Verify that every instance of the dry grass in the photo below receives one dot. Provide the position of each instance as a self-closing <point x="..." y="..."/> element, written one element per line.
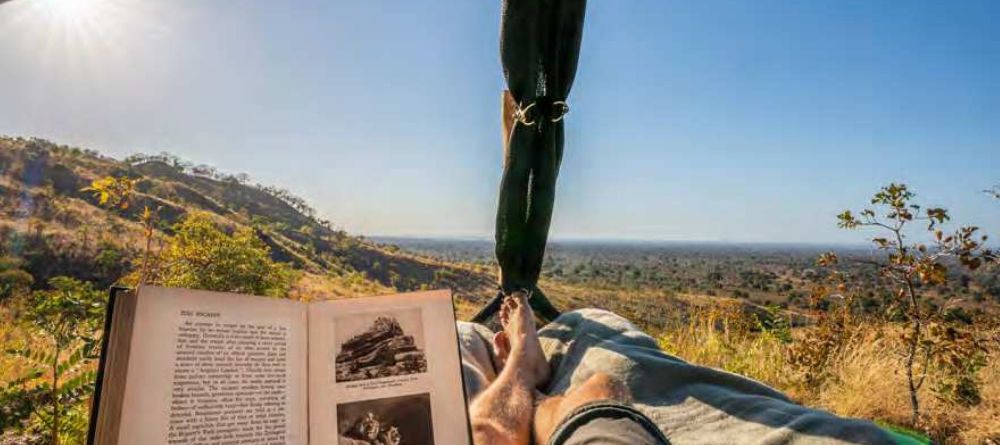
<point x="313" y="287"/>
<point x="10" y="336"/>
<point x="720" y="336"/>
<point x="867" y="381"/>
<point x="983" y="420"/>
<point x="865" y="378"/>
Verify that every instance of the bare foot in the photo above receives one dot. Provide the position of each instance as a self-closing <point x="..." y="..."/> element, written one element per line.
<point x="501" y="343"/>
<point x="518" y="344"/>
<point x="501" y="347"/>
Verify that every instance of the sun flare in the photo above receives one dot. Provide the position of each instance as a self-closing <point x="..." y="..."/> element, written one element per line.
<point x="81" y="31"/>
<point x="73" y="11"/>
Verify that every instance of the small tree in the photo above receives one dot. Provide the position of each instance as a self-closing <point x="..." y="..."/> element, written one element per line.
<point x="59" y="378"/>
<point x="910" y="265"/>
<point x="118" y="192"/>
<point x="202" y="256"/>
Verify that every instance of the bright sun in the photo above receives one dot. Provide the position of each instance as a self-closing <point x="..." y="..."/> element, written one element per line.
<point x="83" y="33"/>
<point x="73" y="11"/>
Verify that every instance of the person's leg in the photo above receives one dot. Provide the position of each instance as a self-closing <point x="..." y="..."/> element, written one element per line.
<point x="480" y="365"/>
<point x="552" y="410"/>
<point x="502" y="414"/>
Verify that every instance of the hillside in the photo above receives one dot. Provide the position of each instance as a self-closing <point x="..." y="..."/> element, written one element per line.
<point x="56" y="228"/>
<point x="768" y="312"/>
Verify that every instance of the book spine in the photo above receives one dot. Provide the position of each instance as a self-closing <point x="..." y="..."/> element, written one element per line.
<point x="99" y="384"/>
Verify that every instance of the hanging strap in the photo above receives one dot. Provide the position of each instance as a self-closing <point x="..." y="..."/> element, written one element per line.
<point x="539" y="50"/>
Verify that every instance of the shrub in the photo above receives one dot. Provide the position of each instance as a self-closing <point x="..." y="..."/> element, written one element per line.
<point x="201" y="256"/>
<point x="48" y="398"/>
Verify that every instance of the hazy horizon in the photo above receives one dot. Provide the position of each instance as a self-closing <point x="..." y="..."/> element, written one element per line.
<point x="629" y="241"/>
<point x="720" y="122"/>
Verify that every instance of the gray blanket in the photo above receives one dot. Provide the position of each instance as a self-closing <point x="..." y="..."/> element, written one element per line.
<point x="691" y="404"/>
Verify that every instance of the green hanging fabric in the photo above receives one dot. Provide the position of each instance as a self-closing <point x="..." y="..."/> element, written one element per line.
<point x="539" y="49"/>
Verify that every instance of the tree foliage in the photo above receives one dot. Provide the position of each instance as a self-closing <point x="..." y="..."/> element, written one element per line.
<point x="112" y="191"/>
<point x="47" y="399"/>
<point x="201" y="256"/>
<point x="69" y="309"/>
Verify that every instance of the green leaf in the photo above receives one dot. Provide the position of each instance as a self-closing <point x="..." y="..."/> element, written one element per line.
<point x="75" y="358"/>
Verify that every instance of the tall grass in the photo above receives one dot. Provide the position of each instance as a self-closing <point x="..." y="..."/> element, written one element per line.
<point x="721" y="336"/>
<point x="864" y="375"/>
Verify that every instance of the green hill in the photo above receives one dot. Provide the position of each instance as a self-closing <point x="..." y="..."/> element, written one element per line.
<point x="56" y="228"/>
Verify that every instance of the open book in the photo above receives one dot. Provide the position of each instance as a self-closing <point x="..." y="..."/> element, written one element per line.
<point x="193" y="367"/>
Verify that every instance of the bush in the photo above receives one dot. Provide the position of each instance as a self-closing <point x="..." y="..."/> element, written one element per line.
<point x="47" y="400"/>
<point x="12" y="278"/>
<point x="201" y="256"/>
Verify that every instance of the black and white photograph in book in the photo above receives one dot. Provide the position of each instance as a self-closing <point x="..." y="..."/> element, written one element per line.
<point x="404" y="420"/>
<point x="379" y="344"/>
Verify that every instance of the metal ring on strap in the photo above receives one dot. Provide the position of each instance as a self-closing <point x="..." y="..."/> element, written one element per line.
<point x="521" y="114"/>
<point x="558" y="109"/>
<point x="563" y="108"/>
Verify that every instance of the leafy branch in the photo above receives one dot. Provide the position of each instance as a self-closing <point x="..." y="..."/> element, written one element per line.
<point x="118" y="192"/>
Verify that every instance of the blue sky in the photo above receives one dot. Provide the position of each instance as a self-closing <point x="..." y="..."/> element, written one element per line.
<point x="711" y="120"/>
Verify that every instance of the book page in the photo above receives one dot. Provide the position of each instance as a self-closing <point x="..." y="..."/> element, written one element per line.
<point x="214" y="368"/>
<point x="386" y="370"/>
